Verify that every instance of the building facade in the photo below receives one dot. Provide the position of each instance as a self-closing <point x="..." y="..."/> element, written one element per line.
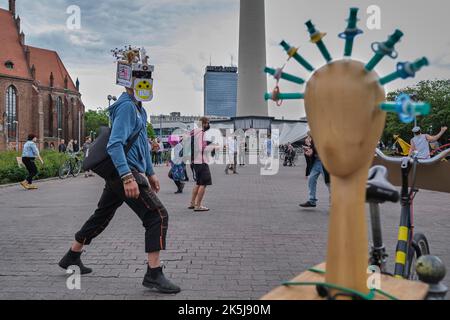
<point x="37" y="94"/>
<point x="220" y="85"/>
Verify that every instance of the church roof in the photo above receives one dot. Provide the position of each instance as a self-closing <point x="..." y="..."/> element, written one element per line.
<point x="11" y="48"/>
<point x="47" y="62"/>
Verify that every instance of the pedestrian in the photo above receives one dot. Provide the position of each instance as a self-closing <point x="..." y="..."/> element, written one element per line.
<point x="317" y="169"/>
<point x="155" y="152"/>
<point x="289" y="156"/>
<point x="160" y="152"/>
<point x="232" y="155"/>
<point x="62" y="146"/>
<point x="268" y="152"/>
<point x="242" y="152"/>
<point x="177" y="165"/>
<point x="85" y="149"/>
<point x="420" y="142"/>
<point x="29" y="154"/>
<point x="76" y="146"/>
<point x="135" y="183"/>
<point x="52" y="146"/>
<point x="70" y="147"/>
<point x="200" y="167"/>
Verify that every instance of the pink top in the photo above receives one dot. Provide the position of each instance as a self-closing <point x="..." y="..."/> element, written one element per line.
<point x="200" y="145"/>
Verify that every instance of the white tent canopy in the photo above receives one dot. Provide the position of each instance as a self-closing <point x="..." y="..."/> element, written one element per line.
<point x="291" y="132"/>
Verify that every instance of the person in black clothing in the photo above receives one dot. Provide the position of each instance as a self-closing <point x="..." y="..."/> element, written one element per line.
<point x="76" y="146"/>
<point x="62" y="146"/>
<point x="314" y="169"/>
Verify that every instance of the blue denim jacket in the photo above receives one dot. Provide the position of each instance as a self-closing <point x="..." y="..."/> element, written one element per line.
<point x="30" y="150"/>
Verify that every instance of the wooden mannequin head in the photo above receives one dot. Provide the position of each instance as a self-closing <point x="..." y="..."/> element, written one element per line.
<point x="342" y="101"/>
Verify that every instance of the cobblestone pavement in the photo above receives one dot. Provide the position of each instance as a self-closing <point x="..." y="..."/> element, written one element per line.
<point x="255" y="237"/>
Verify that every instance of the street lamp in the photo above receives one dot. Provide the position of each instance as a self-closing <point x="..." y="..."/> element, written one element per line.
<point x="16" y="123"/>
<point x="110" y="98"/>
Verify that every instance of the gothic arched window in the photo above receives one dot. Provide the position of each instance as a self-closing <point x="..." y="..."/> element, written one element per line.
<point x="11" y="111"/>
<point x="59" y="112"/>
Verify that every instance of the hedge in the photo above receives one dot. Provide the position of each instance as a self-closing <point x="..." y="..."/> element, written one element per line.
<point x="10" y="172"/>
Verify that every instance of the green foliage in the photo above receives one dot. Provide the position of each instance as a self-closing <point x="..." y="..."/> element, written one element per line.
<point x="10" y="172"/>
<point x="437" y="94"/>
<point x="150" y="131"/>
<point x="96" y="119"/>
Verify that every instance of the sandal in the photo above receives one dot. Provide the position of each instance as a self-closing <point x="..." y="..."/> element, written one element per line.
<point x="191" y="207"/>
<point x="201" y="209"/>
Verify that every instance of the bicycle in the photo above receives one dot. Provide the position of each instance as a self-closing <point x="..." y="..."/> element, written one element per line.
<point x="410" y="245"/>
<point x="72" y="165"/>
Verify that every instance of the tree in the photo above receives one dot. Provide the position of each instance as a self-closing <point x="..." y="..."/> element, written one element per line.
<point x="437" y="94"/>
<point x="150" y="131"/>
<point x="96" y="119"/>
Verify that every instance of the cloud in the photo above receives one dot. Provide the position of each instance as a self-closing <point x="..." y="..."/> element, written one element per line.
<point x="195" y="74"/>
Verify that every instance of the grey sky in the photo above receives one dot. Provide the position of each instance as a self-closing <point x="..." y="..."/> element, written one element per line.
<point x="182" y="35"/>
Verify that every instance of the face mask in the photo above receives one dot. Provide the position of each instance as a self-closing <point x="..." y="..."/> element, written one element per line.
<point x="143" y="89"/>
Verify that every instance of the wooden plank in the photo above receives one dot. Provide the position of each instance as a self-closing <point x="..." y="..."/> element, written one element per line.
<point x="399" y="288"/>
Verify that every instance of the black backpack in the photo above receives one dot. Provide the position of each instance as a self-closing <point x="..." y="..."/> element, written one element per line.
<point x="97" y="158"/>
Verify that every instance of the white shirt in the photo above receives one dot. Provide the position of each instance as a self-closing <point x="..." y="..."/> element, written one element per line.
<point x="422" y="146"/>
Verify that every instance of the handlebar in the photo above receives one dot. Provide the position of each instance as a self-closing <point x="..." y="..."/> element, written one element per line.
<point x="404" y="160"/>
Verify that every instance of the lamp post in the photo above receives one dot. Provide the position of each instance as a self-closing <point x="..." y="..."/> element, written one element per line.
<point x="16" y="123"/>
<point x="79" y="125"/>
<point x="113" y="98"/>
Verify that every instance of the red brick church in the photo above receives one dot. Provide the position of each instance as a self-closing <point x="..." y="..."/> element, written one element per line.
<point x="37" y="94"/>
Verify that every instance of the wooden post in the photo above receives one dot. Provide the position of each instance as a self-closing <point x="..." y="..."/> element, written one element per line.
<point x="342" y="104"/>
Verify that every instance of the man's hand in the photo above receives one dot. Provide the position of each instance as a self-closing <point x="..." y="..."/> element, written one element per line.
<point x="154" y="183"/>
<point x="131" y="190"/>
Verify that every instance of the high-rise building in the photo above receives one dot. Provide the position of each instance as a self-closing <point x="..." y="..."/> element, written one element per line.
<point x="221" y="91"/>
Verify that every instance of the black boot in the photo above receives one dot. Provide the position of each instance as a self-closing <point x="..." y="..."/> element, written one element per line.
<point x="155" y="279"/>
<point x="180" y="187"/>
<point x="74" y="259"/>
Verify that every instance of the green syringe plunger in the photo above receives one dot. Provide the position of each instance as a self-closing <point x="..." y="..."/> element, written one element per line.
<point x="351" y="32"/>
<point x="284" y="96"/>
<point x="405" y="70"/>
<point x="384" y="49"/>
<point x="293" y="53"/>
<point x="279" y="74"/>
<point x="316" y="37"/>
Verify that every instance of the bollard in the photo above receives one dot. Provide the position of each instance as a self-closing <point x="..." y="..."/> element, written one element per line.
<point x="279" y="74"/>
<point x="431" y="270"/>
<point x="384" y="49"/>
<point x="293" y="53"/>
<point x="405" y="70"/>
<point x="351" y="32"/>
<point x="316" y="37"/>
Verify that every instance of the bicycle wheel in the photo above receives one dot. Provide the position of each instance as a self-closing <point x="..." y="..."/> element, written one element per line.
<point x="419" y="247"/>
<point x="64" y="170"/>
<point x="76" y="169"/>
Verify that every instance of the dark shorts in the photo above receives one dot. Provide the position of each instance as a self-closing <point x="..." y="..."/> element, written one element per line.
<point x="202" y="174"/>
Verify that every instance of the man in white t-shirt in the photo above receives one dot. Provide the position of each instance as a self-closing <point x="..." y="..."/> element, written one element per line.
<point x="421" y="142"/>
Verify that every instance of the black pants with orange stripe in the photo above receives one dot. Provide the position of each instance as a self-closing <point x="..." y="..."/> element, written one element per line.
<point x="148" y="208"/>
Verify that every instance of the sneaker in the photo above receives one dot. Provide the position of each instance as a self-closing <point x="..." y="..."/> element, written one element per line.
<point x="155" y="279"/>
<point x="32" y="187"/>
<point x="308" y="204"/>
<point x="73" y="259"/>
<point x="25" y="185"/>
